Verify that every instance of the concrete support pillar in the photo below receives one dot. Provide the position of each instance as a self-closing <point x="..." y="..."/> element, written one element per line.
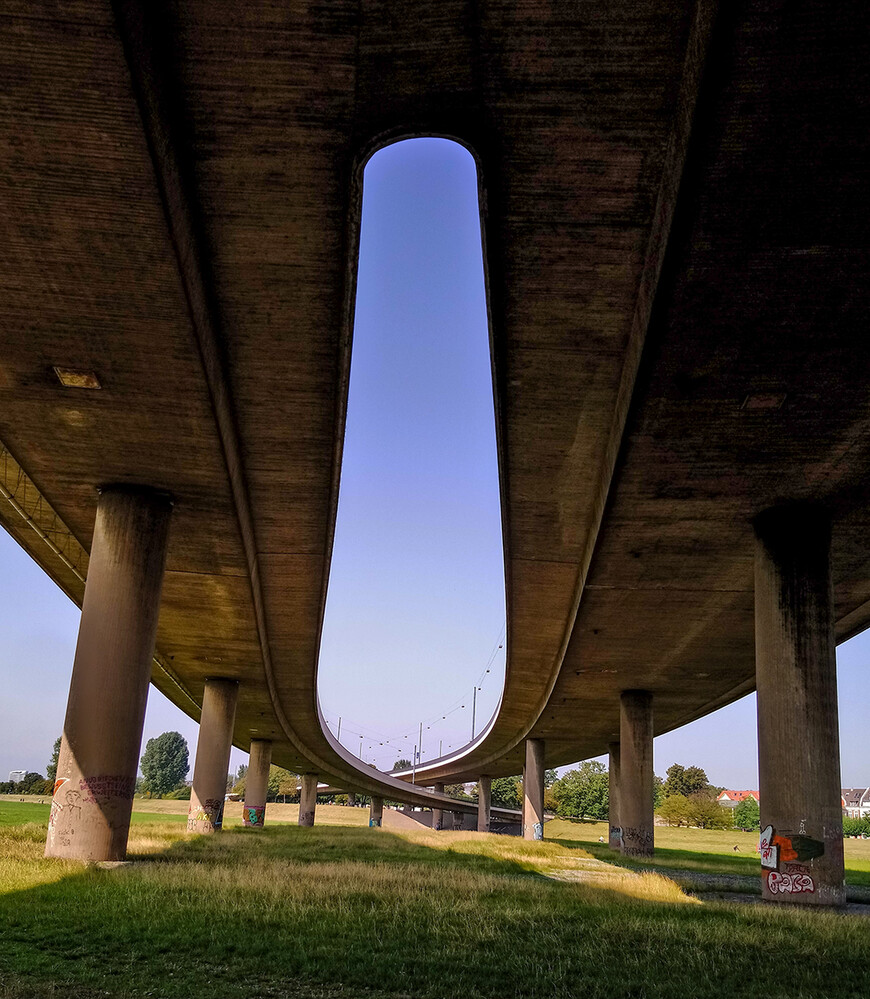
<point x="376" y="815"/>
<point x="208" y="793"/>
<point x="351" y="799"/>
<point x="102" y="731"/>
<point x="456" y="820"/>
<point x="798" y="732"/>
<point x="636" y="773"/>
<point x="308" y="799"/>
<point x="615" y="834"/>
<point x="484" y="803"/>
<point x="533" y="790"/>
<point x="257" y="784"/>
<point x="438" y="813"/>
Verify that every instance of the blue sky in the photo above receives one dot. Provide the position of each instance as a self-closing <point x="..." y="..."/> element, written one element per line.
<point x="415" y="609"/>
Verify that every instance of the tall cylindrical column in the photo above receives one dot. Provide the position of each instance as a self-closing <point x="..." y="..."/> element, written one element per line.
<point x="307" y="799"/>
<point x="798" y="732"/>
<point x="376" y="814"/>
<point x="438" y="813"/>
<point x="257" y="784"/>
<point x="615" y="834"/>
<point x="102" y="731"/>
<point x="484" y="803"/>
<point x="208" y="793"/>
<point x="533" y="790"/>
<point x="636" y="773"/>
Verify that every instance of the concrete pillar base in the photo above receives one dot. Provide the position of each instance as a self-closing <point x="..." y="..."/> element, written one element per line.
<point x="798" y="730"/>
<point x="615" y="832"/>
<point x="438" y="813"/>
<point x="533" y="790"/>
<point x="484" y="803"/>
<point x="376" y="813"/>
<point x="636" y="773"/>
<point x="257" y="784"/>
<point x="308" y="799"/>
<point x="102" y="731"/>
<point x="208" y="794"/>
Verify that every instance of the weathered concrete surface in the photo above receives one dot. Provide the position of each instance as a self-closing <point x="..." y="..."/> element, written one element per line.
<point x="484" y="803"/>
<point x="438" y="813"/>
<point x="533" y="790"/>
<point x="257" y="784"/>
<point x="676" y="233"/>
<point x="209" y="788"/>
<point x="636" y="818"/>
<point x="102" y="730"/>
<point x="376" y="812"/>
<point x="307" y="799"/>
<point x="798" y="734"/>
<point x="614" y="823"/>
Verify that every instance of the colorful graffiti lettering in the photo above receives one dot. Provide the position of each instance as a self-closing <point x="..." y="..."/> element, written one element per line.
<point x="615" y="839"/>
<point x="776" y="849"/>
<point x="211" y="812"/>
<point x="788" y="883"/>
<point x="374" y="823"/>
<point x="253" y="815"/>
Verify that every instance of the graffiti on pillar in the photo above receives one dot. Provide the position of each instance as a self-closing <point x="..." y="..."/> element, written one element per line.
<point x="636" y="839"/>
<point x="776" y="848"/>
<point x="254" y="815"/>
<point x="768" y="850"/>
<point x="793" y="880"/>
<point x="538" y="830"/>
<point x="616" y="842"/>
<point x="98" y="790"/>
<point x="374" y="823"/>
<point x="211" y="811"/>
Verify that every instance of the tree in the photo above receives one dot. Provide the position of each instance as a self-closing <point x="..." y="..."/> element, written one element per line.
<point x="402" y="764"/>
<point x="282" y="782"/>
<point x="51" y="769"/>
<point x="164" y="763"/>
<point x="242" y="772"/>
<point x="658" y="792"/>
<point x="584" y="791"/>
<point x="550" y="778"/>
<point x="747" y="815"/>
<point x="685" y="780"/>
<point x="506" y="792"/>
<point x="457" y="791"/>
<point x="33" y="783"/>
<point x="706" y="813"/>
<point x="675" y="810"/>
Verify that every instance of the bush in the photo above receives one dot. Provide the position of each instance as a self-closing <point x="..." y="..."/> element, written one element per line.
<point x="179" y="794"/>
<point x="856" y="827"/>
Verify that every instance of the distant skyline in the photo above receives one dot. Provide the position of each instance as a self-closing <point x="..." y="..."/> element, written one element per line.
<point x="415" y="607"/>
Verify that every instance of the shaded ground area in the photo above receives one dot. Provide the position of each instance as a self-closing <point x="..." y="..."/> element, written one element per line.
<point x="368" y="913"/>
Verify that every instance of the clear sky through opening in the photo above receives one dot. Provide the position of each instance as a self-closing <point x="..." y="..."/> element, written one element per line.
<point x="415" y="609"/>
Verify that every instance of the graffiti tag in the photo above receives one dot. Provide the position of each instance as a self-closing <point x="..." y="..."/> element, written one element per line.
<point x="787" y="883"/>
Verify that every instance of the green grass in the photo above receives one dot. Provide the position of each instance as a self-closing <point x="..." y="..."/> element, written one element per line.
<point x="710" y="851"/>
<point x="355" y="912"/>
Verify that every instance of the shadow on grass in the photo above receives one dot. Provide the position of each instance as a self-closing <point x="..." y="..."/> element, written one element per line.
<point x="359" y="912"/>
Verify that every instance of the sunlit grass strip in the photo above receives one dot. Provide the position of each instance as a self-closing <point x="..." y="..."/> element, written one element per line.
<point x="290" y="911"/>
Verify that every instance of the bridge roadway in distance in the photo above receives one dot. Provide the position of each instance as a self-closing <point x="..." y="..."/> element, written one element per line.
<point x="675" y="230"/>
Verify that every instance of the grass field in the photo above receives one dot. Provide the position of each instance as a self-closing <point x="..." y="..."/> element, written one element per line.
<point x="357" y="912"/>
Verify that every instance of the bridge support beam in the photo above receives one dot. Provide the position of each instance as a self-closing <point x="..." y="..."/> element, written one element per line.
<point x="636" y="773"/>
<point x="257" y="784"/>
<point x="798" y="732"/>
<point x="376" y="813"/>
<point x="208" y="793"/>
<point x="615" y="832"/>
<point x="438" y="813"/>
<point x="102" y="731"/>
<point x="484" y="803"/>
<point x="307" y="799"/>
<point x="533" y="790"/>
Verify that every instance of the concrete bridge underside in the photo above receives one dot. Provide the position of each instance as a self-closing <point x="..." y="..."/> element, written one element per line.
<point x="676" y="241"/>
